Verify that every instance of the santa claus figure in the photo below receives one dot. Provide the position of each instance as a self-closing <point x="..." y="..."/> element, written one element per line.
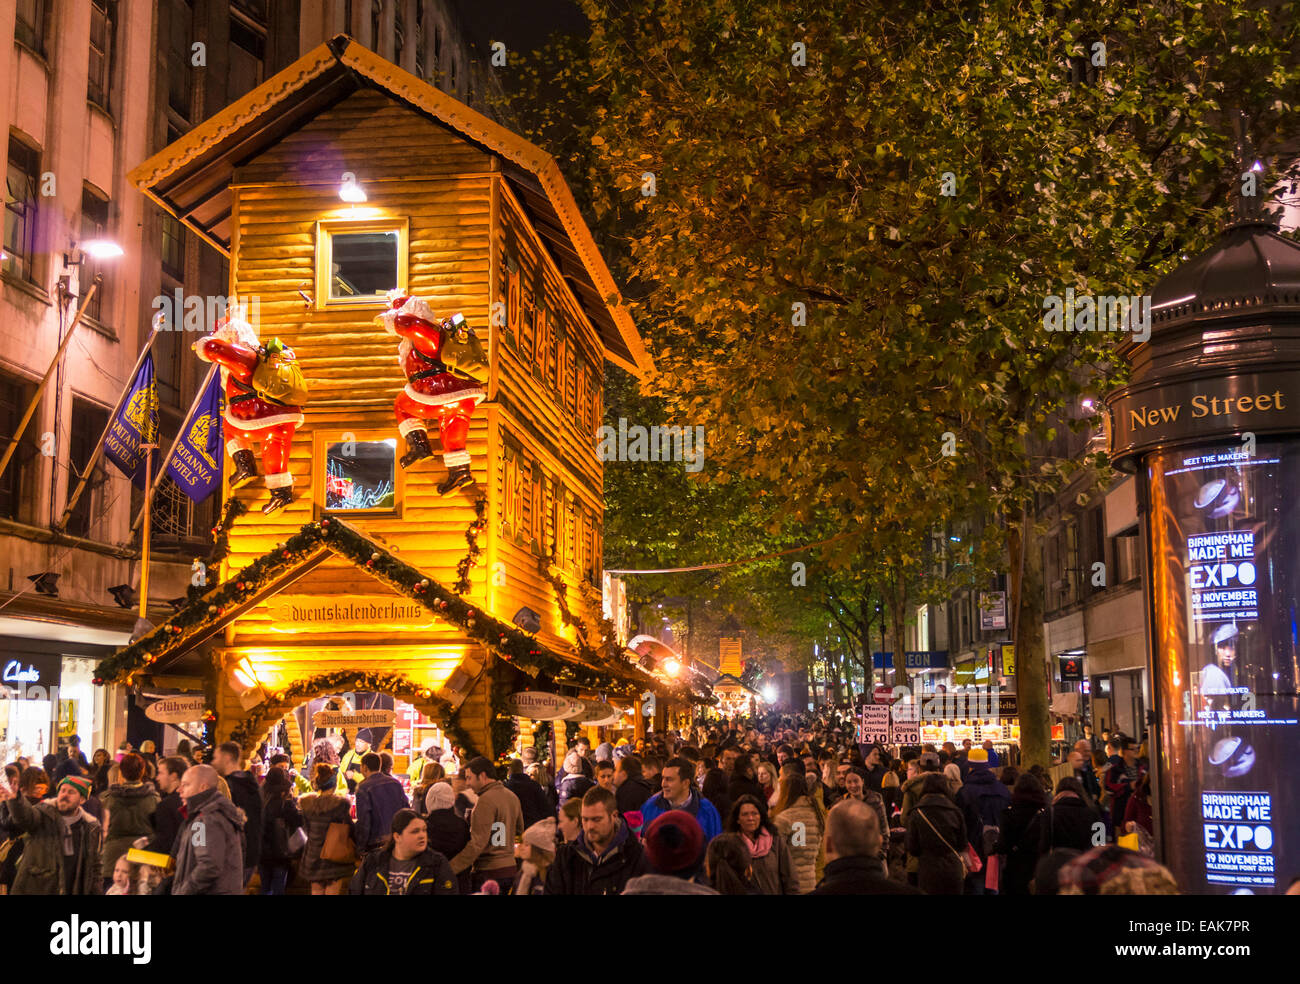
<point x="432" y="390"/>
<point x="251" y="414"/>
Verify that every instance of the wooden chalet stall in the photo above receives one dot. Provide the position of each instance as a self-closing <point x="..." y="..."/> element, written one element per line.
<point x="369" y="580"/>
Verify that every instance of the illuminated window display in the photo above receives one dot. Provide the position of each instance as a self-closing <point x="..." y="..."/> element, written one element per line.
<point x="360" y="474"/>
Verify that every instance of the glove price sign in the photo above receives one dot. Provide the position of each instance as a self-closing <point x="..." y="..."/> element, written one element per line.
<point x="875" y="724"/>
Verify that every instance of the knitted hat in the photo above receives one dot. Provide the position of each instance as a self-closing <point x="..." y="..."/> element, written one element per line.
<point x="1113" y="870"/>
<point x="635" y="820"/>
<point x="977" y="756"/>
<point x="674" y="844"/>
<point x="541" y="835"/>
<point x="80" y="783"/>
<point x="440" y="797"/>
<point x="620" y="743"/>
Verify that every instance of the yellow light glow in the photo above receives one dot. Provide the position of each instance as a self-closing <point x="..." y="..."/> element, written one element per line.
<point x="672" y="667"/>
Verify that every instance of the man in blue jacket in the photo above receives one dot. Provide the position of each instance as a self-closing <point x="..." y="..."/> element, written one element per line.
<point x="679" y="793"/>
<point x="379" y="797"/>
<point x="982" y="799"/>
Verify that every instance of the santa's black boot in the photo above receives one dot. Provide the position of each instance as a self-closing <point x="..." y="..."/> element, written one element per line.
<point x="245" y="469"/>
<point x="280" y="498"/>
<point x="417" y="444"/>
<point x="458" y="477"/>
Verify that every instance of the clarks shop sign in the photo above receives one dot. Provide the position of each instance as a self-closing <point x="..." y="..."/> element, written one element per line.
<point x="1227" y="406"/>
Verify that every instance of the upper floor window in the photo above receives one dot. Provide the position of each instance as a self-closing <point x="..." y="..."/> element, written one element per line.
<point x="94" y="225"/>
<point x="15" y="394"/>
<point x="31" y="23"/>
<point x="247" y="55"/>
<point x="103" y="15"/>
<point x="358" y="263"/>
<point x="20" y="211"/>
<point x="180" y="93"/>
<point x="173" y="246"/>
<point x="88" y="423"/>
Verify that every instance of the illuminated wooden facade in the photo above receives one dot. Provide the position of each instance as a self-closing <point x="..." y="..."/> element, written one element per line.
<point x="484" y="226"/>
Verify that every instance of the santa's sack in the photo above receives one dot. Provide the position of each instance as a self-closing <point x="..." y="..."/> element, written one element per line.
<point x="461" y="351"/>
<point x="278" y="375"/>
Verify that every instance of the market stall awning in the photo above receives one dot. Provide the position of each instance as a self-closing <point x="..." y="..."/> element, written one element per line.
<point x="207" y="615"/>
<point x="192" y="178"/>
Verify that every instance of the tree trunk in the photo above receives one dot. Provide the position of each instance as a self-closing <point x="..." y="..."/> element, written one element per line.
<point x="1026" y="582"/>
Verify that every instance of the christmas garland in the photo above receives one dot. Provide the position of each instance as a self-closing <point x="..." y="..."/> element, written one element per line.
<point x="544" y="565"/>
<point x="249" y="732"/>
<point x="477" y="524"/>
<point x="506" y="641"/>
<point x="231" y="511"/>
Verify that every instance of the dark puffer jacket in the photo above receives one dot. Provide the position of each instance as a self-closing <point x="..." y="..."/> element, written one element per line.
<point x="432" y="875"/>
<point x="319" y="810"/>
<point x="130" y="808"/>
<point x="937" y="845"/>
<point x="577" y="871"/>
<point x="1068" y="822"/>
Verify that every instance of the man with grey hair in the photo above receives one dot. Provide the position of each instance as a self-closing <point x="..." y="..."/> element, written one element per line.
<point x="853" y="865"/>
<point x="210" y="846"/>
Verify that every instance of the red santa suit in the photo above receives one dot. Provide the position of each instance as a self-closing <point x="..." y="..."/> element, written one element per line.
<point x="431" y="390"/>
<point x="251" y="416"/>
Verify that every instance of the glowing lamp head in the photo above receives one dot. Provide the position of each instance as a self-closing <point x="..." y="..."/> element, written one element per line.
<point x="101" y="249"/>
<point x="350" y="191"/>
<point x="243" y="675"/>
<point x="769" y="693"/>
<point x="672" y="667"/>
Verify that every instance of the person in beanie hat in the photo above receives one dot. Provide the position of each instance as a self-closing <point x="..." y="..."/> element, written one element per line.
<point x="63" y="851"/>
<point x="1114" y="870"/>
<point x="674" y="849"/>
<point x="605" y="856"/>
<point x="536" y="852"/>
<point x="350" y="767"/>
<point x="982" y="799"/>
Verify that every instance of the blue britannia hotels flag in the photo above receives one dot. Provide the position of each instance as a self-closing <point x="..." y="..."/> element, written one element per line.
<point x="195" y="465"/>
<point x="136" y="423"/>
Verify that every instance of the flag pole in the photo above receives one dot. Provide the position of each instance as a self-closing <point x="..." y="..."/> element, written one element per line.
<point x="61" y="525"/>
<point x="162" y="471"/>
<point x="58" y="357"/>
<point x="148" y="529"/>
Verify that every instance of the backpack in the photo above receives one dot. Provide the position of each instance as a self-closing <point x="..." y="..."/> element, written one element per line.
<point x="278" y="375"/>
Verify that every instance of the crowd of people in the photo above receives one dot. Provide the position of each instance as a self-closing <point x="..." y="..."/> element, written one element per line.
<point x="782" y="805"/>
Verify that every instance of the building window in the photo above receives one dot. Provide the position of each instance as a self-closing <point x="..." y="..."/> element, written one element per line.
<point x="94" y="225"/>
<point x="358" y="263"/>
<point x="21" y="211"/>
<point x="181" y="28"/>
<point x="247" y="55"/>
<point x="88" y="423"/>
<point x="570" y="368"/>
<point x="557" y="522"/>
<point x="31" y="24"/>
<point x="360" y="475"/>
<point x="537" y="496"/>
<point x="15" y="394"/>
<point x="173" y="247"/>
<point x="554" y="353"/>
<point x="102" y="24"/>
<point x="168" y="349"/>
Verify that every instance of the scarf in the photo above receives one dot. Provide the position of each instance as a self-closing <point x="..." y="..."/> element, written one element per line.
<point x="759" y="848"/>
<point x="527" y="872"/>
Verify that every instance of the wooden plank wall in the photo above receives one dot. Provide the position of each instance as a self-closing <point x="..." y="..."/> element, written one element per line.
<point x="548" y="482"/>
<point x="442" y="185"/>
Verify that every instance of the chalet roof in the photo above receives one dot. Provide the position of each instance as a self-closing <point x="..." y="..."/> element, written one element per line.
<point x="206" y="616"/>
<point x="191" y="177"/>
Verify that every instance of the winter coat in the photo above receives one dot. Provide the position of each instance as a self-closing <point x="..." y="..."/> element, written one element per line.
<point x="247" y="795"/>
<point x="379" y="797"/>
<point x="739" y="787"/>
<point x="166" y="821"/>
<point x="774" y="871"/>
<point x="859" y="876"/>
<point x="532" y="798"/>
<point x="577" y="870"/>
<point x="1069" y="822"/>
<point x="1020" y="850"/>
<point x="129" y="809"/>
<point x="496" y="804"/>
<point x="210" y="848"/>
<point x="982" y="799"/>
<point x="319" y="810"/>
<point x="806" y="856"/>
<point x="432" y="875"/>
<point x="41" y="869"/>
<point x="632" y="795"/>
<point x="448" y="835"/>
<point x="697" y="806"/>
<point x="666" y="885"/>
<point x="938" y="851"/>
<point x="574" y="786"/>
<point x="911" y="794"/>
<point x="280" y="818"/>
